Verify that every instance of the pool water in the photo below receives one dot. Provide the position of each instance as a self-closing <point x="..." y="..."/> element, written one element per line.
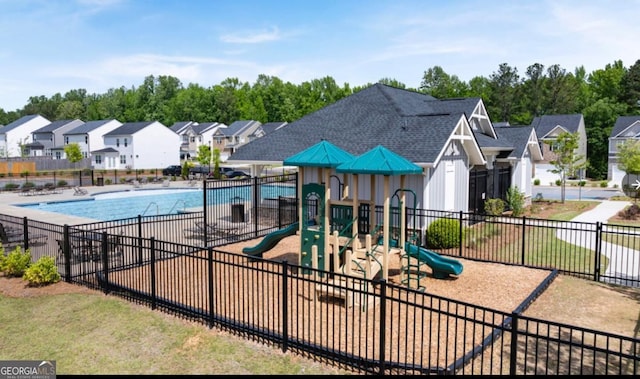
<point x="127" y="204"/>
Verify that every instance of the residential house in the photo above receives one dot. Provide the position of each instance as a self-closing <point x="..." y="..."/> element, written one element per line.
<point x="15" y="135"/>
<point x="194" y="135"/>
<point x="138" y="145"/>
<point x="441" y="143"/>
<point x="464" y="159"/>
<point x="89" y="136"/>
<point x="228" y="140"/>
<point x="49" y="140"/>
<point x="626" y="127"/>
<point x="266" y="128"/>
<point x="548" y="127"/>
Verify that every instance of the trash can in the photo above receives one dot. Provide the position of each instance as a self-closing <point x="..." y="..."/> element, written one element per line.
<point x="237" y="212"/>
<point x="100" y="182"/>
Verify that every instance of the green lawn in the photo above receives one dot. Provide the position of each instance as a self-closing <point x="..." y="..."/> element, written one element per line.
<point x="96" y="334"/>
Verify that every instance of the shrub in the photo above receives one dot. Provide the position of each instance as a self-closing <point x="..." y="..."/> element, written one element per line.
<point x="558" y="182"/>
<point x="107" y="181"/>
<point x="444" y="233"/>
<point x="536" y="182"/>
<point x="515" y="200"/>
<point x="17" y="262"/>
<point x="28" y="185"/>
<point x="604" y="184"/>
<point x="494" y="207"/>
<point x="62" y="183"/>
<point x="42" y="272"/>
<point x="630" y="213"/>
<point x="11" y="186"/>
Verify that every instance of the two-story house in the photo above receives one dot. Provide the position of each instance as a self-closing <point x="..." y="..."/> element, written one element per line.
<point x="16" y="135"/>
<point x="89" y="135"/>
<point x="548" y="127"/>
<point x="194" y="135"/>
<point x="138" y="145"/>
<point x="228" y="139"/>
<point x="626" y="127"/>
<point x="49" y="140"/>
<point x="265" y="129"/>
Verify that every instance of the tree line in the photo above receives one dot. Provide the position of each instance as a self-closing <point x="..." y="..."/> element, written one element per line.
<point x="601" y="96"/>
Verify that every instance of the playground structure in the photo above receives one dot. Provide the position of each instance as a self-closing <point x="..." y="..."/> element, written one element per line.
<point x="340" y="232"/>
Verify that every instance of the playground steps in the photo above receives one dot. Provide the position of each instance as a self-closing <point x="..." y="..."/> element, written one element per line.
<point x="353" y="293"/>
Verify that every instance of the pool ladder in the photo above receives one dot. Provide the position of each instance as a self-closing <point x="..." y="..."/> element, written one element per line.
<point x="184" y="206"/>
<point x="149" y="206"/>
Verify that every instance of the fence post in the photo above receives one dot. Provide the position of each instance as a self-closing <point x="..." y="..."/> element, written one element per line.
<point x="522" y="247"/>
<point x="139" y="240"/>
<point x="204" y="214"/>
<point x="211" y="303"/>
<point x="513" y="354"/>
<point x="285" y="306"/>
<point x="153" y="272"/>
<point x="597" y="258"/>
<point x="383" y="326"/>
<point x="25" y="234"/>
<point x="256" y="201"/>
<point x="461" y="235"/>
<point x="105" y="262"/>
<point x="66" y="250"/>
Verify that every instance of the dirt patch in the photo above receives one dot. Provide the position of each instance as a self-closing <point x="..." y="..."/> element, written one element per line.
<point x="18" y="287"/>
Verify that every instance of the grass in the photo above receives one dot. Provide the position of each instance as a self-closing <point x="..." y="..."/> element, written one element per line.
<point x="94" y="334"/>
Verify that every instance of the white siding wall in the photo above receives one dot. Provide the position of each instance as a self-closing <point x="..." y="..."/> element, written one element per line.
<point x="22" y="134"/>
<point x="437" y="182"/>
<point x="155" y="146"/>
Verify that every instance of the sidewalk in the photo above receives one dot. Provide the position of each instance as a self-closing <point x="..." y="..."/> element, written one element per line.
<point x="623" y="262"/>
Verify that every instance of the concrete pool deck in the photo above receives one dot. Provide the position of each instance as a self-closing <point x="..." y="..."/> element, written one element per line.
<point x="8" y="201"/>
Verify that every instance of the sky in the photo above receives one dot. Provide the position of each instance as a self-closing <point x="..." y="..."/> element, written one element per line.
<point x="54" y="46"/>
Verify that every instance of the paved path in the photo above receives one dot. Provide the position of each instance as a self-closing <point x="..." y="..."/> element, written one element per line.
<point x="624" y="262"/>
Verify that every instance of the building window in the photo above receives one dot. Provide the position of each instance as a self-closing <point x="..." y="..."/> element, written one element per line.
<point x="199" y="138"/>
<point x="117" y="142"/>
<point x="58" y="155"/>
<point x="192" y="139"/>
<point x="125" y="142"/>
<point x="86" y="140"/>
<point x="98" y="159"/>
<point x="66" y="140"/>
<point x="123" y="159"/>
<point x="84" y="154"/>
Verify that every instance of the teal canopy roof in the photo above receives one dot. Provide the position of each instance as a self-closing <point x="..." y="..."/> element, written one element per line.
<point x="379" y="161"/>
<point x="322" y="154"/>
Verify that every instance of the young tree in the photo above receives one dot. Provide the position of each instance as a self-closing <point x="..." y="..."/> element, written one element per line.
<point x="567" y="161"/>
<point x="73" y="153"/>
<point x="204" y="156"/>
<point x="216" y="163"/>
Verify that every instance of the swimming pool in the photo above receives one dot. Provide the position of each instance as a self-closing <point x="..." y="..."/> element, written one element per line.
<point x="126" y="204"/>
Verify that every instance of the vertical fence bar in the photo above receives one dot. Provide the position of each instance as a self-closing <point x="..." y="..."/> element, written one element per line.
<point x="285" y="306"/>
<point x="139" y="240"/>
<point x="153" y="272"/>
<point x="254" y="210"/>
<point x="461" y="235"/>
<point x="513" y="354"/>
<point x="522" y="246"/>
<point x="66" y="250"/>
<point x="211" y="278"/>
<point x="383" y="326"/>
<point x="25" y="228"/>
<point x="597" y="258"/>
<point x="105" y="262"/>
<point x="204" y="211"/>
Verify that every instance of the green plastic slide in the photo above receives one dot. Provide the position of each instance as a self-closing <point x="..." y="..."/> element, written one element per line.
<point x="442" y="266"/>
<point x="270" y="240"/>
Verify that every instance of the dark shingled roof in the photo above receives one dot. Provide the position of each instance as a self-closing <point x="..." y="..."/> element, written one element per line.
<point x="129" y="128"/>
<point x="105" y="150"/>
<point x="516" y="136"/>
<point x="546" y="123"/>
<point x="622" y="123"/>
<point x="180" y="125"/>
<point x="55" y="125"/>
<point x="88" y="126"/>
<point x="395" y="118"/>
<point x="201" y="128"/>
<point x="238" y="127"/>
<point x="17" y="123"/>
<point x="270" y="127"/>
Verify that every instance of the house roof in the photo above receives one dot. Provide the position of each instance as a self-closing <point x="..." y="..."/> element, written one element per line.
<point x="378" y="115"/>
<point x="272" y="126"/>
<point x="129" y="128"/>
<point x="379" y="161"/>
<point x="547" y="123"/>
<point x="322" y="154"/>
<point x="239" y="127"/>
<point x="206" y="126"/>
<point x="55" y="125"/>
<point x="88" y="126"/>
<point x="622" y="123"/>
<point x="519" y="137"/>
<point x="17" y="123"/>
<point x="105" y="150"/>
<point x="180" y="126"/>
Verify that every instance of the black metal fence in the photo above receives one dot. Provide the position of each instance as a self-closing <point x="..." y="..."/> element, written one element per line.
<point x="370" y="325"/>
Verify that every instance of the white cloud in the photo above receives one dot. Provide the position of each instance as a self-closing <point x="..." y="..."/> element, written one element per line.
<point x="252" y="36"/>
